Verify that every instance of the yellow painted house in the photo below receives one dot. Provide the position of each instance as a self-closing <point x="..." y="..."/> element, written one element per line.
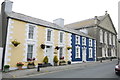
<point x="36" y="38"/>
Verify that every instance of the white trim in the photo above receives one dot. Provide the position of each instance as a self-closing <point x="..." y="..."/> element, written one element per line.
<point x="101" y="36"/>
<point x="74" y="62"/>
<point x="77" y="47"/>
<point x="8" y="42"/>
<point x="31" y="41"/>
<point x="84" y="40"/>
<point x="77" y="39"/>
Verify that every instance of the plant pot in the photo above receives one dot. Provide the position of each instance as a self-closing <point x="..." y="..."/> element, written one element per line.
<point x="20" y="68"/>
<point x="55" y="64"/>
<point x="43" y="46"/>
<point x="30" y="66"/>
<point x="6" y="69"/>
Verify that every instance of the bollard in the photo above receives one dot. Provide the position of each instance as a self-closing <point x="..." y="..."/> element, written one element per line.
<point x="38" y="68"/>
<point x="101" y="60"/>
<point x="111" y="59"/>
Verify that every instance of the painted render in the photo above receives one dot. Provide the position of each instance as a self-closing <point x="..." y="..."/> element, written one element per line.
<point x="15" y="26"/>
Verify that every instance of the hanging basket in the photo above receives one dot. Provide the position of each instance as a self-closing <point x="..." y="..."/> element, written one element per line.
<point x="15" y="43"/>
<point x="42" y="46"/>
<point x="57" y="47"/>
<point x="69" y="48"/>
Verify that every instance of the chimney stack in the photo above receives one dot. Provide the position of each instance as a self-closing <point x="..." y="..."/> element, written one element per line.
<point x="6" y="6"/>
<point x="59" y="22"/>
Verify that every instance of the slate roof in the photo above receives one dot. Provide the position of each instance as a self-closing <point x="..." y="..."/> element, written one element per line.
<point x="91" y="23"/>
<point x="44" y="23"/>
<point x="85" y="23"/>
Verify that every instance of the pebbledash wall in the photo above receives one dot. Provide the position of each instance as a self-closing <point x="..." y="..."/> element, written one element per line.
<point x="18" y="30"/>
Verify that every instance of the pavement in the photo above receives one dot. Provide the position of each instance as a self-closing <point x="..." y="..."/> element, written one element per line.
<point x="27" y="72"/>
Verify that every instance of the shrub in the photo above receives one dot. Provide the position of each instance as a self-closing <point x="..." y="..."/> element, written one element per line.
<point x="55" y="59"/>
<point x="6" y="66"/>
<point x="45" y="60"/>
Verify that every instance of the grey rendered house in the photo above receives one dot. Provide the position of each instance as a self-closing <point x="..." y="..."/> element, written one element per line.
<point x="103" y="30"/>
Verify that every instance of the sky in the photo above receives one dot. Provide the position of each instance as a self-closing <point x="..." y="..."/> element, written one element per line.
<point x="70" y="10"/>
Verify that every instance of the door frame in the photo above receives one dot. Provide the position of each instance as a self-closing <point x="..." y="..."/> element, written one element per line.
<point x="84" y="59"/>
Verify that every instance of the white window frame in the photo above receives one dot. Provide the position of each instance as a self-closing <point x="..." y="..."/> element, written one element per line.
<point x="90" y="42"/>
<point x="90" y="53"/>
<point x="77" y="52"/>
<point x="51" y="36"/>
<point x="110" y="42"/>
<point x="83" y="40"/>
<point x="77" y="39"/>
<point x="105" y="37"/>
<point x="31" y="33"/>
<point x="113" y="39"/>
<point x="61" y="37"/>
<point x="30" y="52"/>
<point x="101" y="36"/>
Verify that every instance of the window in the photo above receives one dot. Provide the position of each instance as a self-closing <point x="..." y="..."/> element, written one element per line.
<point x="90" y="53"/>
<point x="61" y="37"/>
<point x="101" y="36"/>
<point x="49" y="33"/>
<point x="30" y="51"/>
<point x="113" y="39"/>
<point x="31" y="32"/>
<point x="83" y="41"/>
<point x="90" y="42"/>
<point x="77" y="39"/>
<point x="110" y="39"/>
<point x="105" y="37"/>
<point x="77" y="55"/>
<point x="61" y="52"/>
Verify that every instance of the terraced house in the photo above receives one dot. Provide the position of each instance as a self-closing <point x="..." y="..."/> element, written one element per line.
<point x="103" y="30"/>
<point x="26" y="37"/>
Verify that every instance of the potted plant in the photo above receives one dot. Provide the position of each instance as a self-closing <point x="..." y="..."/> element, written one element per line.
<point x="69" y="48"/>
<point x="61" y="58"/>
<point x="31" y="63"/>
<point x="62" y="62"/>
<point x="57" y="47"/>
<point x="6" y="68"/>
<point x="43" y="46"/>
<point x="19" y="65"/>
<point x="15" y="43"/>
<point x="69" y="62"/>
<point x="55" y="60"/>
<point x="45" y="60"/>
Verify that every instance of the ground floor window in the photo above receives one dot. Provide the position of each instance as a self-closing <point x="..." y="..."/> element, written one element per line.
<point x="77" y="52"/>
<point x="61" y="52"/>
<point x="29" y="51"/>
<point x="90" y="53"/>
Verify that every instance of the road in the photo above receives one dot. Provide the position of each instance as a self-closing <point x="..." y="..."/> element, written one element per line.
<point x="102" y="70"/>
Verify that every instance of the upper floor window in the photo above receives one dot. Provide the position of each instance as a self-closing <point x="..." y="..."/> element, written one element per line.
<point x="114" y="39"/>
<point x="77" y="39"/>
<point x="90" y="42"/>
<point x="49" y="34"/>
<point x="101" y="36"/>
<point x="77" y="55"/>
<point x="31" y="32"/>
<point x="61" y="37"/>
<point x="30" y="51"/>
<point x="105" y="37"/>
<point x="110" y="39"/>
<point x="83" y="41"/>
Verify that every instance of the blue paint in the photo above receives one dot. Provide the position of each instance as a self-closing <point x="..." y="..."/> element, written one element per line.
<point x="80" y="45"/>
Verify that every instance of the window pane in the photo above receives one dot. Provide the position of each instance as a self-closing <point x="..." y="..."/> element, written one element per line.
<point x="49" y="35"/>
<point x="29" y="51"/>
<point x="61" y="37"/>
<point x="31" y="32"/>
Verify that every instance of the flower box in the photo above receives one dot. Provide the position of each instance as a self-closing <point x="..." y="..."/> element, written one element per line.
<point x="15" y="43"/>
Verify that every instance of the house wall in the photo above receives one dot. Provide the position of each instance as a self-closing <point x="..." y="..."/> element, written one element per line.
<point x="82" y="54"/>
<point x="17" y="30"/>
